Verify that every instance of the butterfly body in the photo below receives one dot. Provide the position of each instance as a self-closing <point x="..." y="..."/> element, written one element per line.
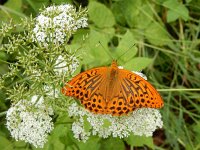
<point x="110" y="90"/>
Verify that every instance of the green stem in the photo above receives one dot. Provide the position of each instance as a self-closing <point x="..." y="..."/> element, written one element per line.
<point x="131" y="148"/>
<point x="174" y="90"/>
<point x="3" y="113"/>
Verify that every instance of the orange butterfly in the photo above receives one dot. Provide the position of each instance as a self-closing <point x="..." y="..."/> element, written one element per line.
<point x="110" y="90"/>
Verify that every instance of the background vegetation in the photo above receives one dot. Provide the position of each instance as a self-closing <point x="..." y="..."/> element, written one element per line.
<point x="166" y="37"/>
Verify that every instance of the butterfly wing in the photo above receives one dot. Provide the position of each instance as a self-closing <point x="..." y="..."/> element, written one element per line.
<point x="129" y="91"/>
<point x="86" y="87"/>
<point x="132" y="92"/>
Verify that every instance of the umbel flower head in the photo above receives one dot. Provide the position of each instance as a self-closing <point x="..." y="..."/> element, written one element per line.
<point x="30" y="121"/>
<point x="141" y="122"/>
<point x="57" y="23"/>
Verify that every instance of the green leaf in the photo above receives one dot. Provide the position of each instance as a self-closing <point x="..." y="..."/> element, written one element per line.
<point x="11" y="10"/>
<point x="112" y="144"/>
<point x="138" y="63"/>
<point x="35" y="5"/>
<point x="145" y="13"/>
<point x="117" y="11"/>
<point x="66" y="140"/>
<point x="106" y="123"/>
<point x="196" y="129"/>
<point x="3" y="69"/>
<point x="97" y="51"/>
<point x="157" y="35"/>
<point x="59" y="2"/>
<point x="63" y="118"/>
<point x="3" y="56"/>
<point x="87" y="125"/>
<point x="80" y="36"/>
<point x="176" y="10"/>
<point x="130" y="10"/>
<point x="91" y="144"/>
<point x="136" y="13"/>
<point x="20" y="144"/>
<point x="54" y="140"/>
<point x="188" y="1"/>
<point x="172" y="16"/>
<point x="14" y="5"/>
<point x="5" y="143"/>
<point x="100" y="15"/>
<point x="126" y="48"/>
<point x="69" y="141"/>
<point x="134" y="140"/>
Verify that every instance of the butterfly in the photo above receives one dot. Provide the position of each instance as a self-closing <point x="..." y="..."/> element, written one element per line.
<point x="110" y="90"/>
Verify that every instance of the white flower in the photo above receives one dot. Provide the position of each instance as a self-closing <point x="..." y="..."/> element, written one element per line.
<point x="37" y="101"/>
<point x="140" y="74"/>
<point x="43" y="20"/>
<point x="51" y="8"/>
<point x="143" y="122"/>
<point x="68" y="65"/>
<point x="120" y="67"/>
<point x="136" y="72"/>
<point x="79" y="132"/>
<point x="30" y="121"/>
<point x="82" y="22"/>
<point x="57" y="23"/>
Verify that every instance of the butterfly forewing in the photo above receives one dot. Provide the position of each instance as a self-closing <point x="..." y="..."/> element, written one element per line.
<point x="138" y="92"/>
<point x="85" y="87"/>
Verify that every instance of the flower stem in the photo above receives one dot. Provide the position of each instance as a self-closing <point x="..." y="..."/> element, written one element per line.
<point x="171" y="90"/>
<point x="131" y="148"/>
<point x="3" y="113"/>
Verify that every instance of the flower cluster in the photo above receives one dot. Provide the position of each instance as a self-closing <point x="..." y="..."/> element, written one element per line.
<point x="41" y="63"/>
<point x="140" y="122"/>
<point x="30" y="121"/>
<point x="57" y="23"/>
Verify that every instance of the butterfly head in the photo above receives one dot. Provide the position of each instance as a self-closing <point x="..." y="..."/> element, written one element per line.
<point x="114" y="64"/>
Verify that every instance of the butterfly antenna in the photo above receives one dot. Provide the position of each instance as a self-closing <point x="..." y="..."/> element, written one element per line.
<point x="126" y="51"/>
<point x="106" y="51"/>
